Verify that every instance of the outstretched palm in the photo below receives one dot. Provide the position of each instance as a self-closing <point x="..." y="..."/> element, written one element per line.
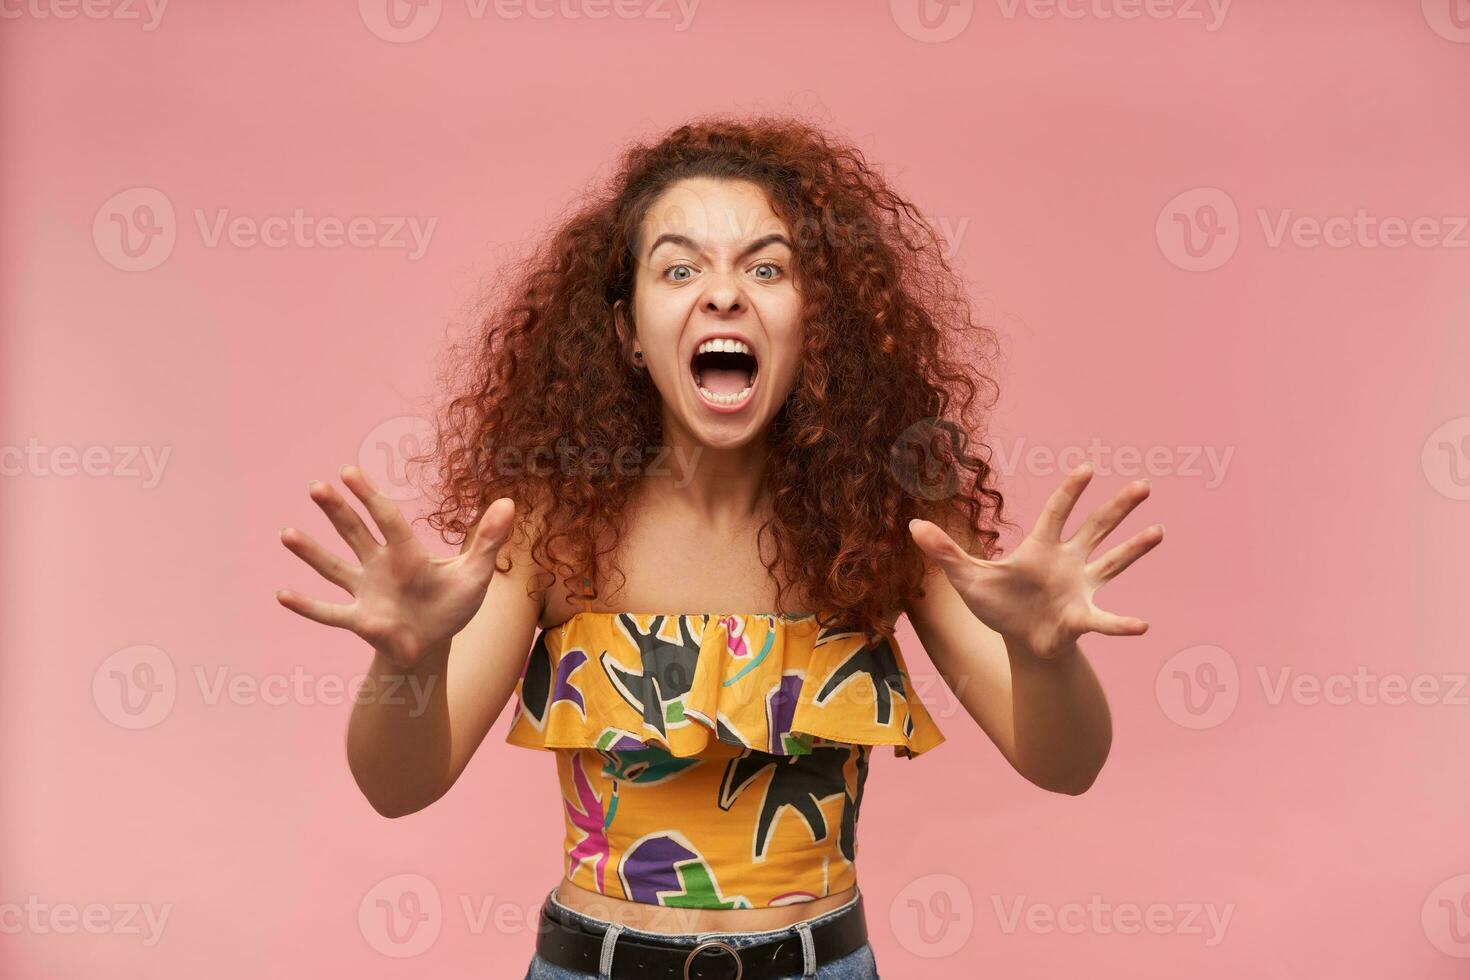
<point x="405" y="600"/>
<point x="1041" y="593"/>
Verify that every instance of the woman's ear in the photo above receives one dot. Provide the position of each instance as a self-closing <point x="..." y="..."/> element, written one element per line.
<point x="627" y="334"/>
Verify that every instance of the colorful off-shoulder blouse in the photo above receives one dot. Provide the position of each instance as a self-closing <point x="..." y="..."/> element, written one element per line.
<point x="710" y="760"/>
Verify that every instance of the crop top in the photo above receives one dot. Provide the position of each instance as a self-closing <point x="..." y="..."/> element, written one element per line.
<point x="714" y="760"/>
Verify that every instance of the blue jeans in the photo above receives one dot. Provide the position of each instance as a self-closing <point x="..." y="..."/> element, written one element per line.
<point x="857" y="965"/>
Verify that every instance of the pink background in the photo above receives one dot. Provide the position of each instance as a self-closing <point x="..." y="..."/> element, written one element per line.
<point x="1332" y="543"/>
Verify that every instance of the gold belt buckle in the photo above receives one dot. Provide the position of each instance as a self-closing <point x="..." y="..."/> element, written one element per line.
<point x="714" y="944"/>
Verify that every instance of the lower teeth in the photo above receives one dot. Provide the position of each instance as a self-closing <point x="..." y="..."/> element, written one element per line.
<point x="719" y="399"/>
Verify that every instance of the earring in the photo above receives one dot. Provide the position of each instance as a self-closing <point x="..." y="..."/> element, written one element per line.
<point x="638" y="356"/>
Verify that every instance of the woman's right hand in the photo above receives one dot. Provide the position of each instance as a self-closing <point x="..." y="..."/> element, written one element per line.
<point x="406" y="602"/>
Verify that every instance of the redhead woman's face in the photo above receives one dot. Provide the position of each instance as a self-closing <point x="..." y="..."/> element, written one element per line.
<point x="716" y="310"/>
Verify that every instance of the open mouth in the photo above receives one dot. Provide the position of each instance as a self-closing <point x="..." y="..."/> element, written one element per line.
<point x="724" y="373"/>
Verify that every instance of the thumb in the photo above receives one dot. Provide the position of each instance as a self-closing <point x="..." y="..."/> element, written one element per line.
<point x="935" y="542"/>
<point x="490" y="532"/>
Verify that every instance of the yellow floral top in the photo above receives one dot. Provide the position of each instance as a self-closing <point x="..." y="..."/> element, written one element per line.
<point x="713" y="760"/>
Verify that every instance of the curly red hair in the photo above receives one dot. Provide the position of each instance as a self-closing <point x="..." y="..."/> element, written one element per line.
<point x="877" y="430"/>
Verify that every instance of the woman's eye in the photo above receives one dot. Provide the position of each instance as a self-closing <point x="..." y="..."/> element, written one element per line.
<point x="775" y="270"/>
<point x="669" y="272"/>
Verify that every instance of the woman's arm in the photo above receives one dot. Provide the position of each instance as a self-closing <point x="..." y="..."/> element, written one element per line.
<point x="448" y="637"/>
<point x="1049" y="718"/>
<point x="407" y="755"/>
<point x="1003" y="634"/>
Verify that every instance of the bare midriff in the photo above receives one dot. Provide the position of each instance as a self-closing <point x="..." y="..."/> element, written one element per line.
<point x="670" y="921"/>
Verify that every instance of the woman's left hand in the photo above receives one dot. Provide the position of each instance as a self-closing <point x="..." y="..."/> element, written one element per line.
<point x="1040" y="595"/>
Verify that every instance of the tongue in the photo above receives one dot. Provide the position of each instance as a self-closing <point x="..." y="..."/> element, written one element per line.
<point x="725" y="381"/>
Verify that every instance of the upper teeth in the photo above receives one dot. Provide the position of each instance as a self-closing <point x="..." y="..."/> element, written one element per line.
<point x="724" y="344"/>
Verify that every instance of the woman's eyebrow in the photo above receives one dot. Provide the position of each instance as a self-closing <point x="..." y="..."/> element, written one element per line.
<point x="669" y="238"/>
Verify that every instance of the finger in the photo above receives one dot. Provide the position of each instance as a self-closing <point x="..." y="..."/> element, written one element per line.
<point x="344" y="519"/>
<point x="1101" y="522"/>
<point x="1116" y="559"/>
<point x="489" y="533"/>
<point x="1111" y="624"/>
<point x="328" y="565"/>
<point x="326" y="613"/>
<point x="935" y="542"/>
<point x="1059" y="505"/>
<point x="380" y="506"/>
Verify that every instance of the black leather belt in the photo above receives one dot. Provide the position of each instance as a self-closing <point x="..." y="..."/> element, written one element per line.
<point x="577" y="947"/>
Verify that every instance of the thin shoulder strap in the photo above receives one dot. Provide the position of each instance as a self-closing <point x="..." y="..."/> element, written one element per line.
<point x="586" y="600"/>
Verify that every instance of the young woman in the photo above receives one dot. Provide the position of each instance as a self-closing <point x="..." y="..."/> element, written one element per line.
<point x="742" y="377"/>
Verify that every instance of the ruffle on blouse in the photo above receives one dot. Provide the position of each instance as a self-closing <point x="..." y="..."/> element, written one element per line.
<point x="776" y="683"/>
